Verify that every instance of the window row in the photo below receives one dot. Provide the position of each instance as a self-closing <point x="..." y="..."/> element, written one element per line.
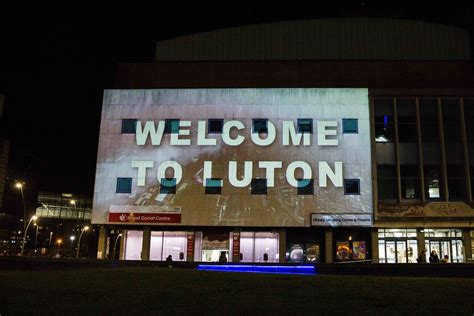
<point x="215" y="126"/>
<point x="257" y="186"/>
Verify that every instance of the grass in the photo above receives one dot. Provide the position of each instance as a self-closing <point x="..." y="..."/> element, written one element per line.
<point x="172" y="291"/>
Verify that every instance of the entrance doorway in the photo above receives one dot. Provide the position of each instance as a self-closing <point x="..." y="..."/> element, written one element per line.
<point x="452" y="248"/>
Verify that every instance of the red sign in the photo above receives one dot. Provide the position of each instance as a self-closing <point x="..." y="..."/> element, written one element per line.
<point x="145" y="218"/>
<point x="236" y="245"/>
<point x="190" y="246"/>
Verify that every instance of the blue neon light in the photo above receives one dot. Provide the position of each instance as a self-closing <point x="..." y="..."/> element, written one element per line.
<point x="385" y="120"/>
<point x="307" y="270"/>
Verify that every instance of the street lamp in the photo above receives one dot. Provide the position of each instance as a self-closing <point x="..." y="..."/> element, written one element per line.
<point x="36" y="235"/>
<point x="72" y="241"/>
<point x="19" y="185"/>
<point x="115" y="244"/>
<point x="33" y="218"/>
<point x="86" y="228"/>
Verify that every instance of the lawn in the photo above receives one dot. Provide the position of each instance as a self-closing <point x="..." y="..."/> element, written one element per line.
<point x="175" y="291"/>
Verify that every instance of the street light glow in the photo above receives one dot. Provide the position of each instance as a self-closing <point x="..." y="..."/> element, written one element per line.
<point x="34" y="217"/>
<point x="18" y="185"/>
<point x="73" y="202"/>
<point x="59" y="241"/>
<point x="72" y="237"/>
<point x="86" y="228"/>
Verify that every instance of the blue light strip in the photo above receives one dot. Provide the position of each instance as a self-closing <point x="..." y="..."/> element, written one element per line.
<point x="307" y="270"/>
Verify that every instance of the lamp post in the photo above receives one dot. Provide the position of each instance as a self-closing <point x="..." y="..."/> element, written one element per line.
<point x="33" y="218"/>
<point x="36" y="236"/>
<point x="115" y="244"/>
<point x="58" y="242"/>
<point x="72" y="243"/>
<point x="86" y="228"/>
<point x="19" y="185"/>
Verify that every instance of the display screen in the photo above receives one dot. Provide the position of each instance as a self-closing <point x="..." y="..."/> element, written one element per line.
<point x="234" y="157"/>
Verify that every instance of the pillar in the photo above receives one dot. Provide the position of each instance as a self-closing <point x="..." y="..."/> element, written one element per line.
<point x="122" y="245"/>
<point x="328" y="245"/>
<point x="466" y="242"/>
<point x="234" y="256"/>
<point x="102" y="244"/>
<point x="190" y="245"/>
<point x="146" y="244"/>
<point x="375" y="245"/>
<point x="282" y="244"/>
<point x="420" y="237"/>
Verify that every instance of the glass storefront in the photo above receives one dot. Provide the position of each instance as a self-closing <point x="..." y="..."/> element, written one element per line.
<point x="163" y="244"/>
<point x="259" y="247"/>
<point x="397" y="245"/>
<point x="446" y="242"/>
<point x="133" y="245"/>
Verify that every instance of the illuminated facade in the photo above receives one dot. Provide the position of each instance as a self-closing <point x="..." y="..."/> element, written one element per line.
<point x="204" y="159"/>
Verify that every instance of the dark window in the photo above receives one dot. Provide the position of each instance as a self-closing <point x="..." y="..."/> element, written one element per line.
<point x="259" y="186"/>
<point x="305" y="125"/>
<point x="383" y="116"/>
<point x="168" y="186"/>
<point x="124" y="185"/>
<point x="129" y="126"/>
<point x="433" y="188"/>
<point x="410" y="182"/>
<point x="387" y="182"/>
<point x="259" y="126"/>
<point x="456" y="182"/>
<point x="171" y="126"/>
<point x="213" y="186"/>
<point x="406" y="118"/>
<point x="305" y="187"/>
<point x="350" y="126"/>
<point x="429" y="120"/>
<point x="215" y="126"/>
<point x="351" y="186"/>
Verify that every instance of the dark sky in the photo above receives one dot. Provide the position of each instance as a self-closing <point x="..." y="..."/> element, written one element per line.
<point x="56" y="61"/>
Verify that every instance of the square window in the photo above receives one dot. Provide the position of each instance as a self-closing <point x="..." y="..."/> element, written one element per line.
<point x="171" y="126"/>
<point x="259" y="186"/>
<point x="213" y="186"/>
<point x="305" y="187"/>
<point x="129" y="126"/>
<point x="259" y="126"/>
<point x="124" y="185"/>
<point x="305" y="126"/>
<point x="351" y="187"/>
<point x="215" y="126"/>
<point x="350" y="126"/>
<point x="168" y="185"/>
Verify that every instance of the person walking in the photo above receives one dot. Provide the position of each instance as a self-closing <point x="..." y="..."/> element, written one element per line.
<point x="434" y="257"/>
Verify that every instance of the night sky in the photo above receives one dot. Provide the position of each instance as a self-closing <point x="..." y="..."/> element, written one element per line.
<point x="56" y="61"/>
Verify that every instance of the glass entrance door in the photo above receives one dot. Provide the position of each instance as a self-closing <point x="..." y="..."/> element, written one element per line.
<point x="401" y="252"/>
<point x="391" y="251"/>
<point x="451" y="248"/>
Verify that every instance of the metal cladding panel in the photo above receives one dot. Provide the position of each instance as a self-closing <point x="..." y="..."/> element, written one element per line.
<point x="324" y="39"/>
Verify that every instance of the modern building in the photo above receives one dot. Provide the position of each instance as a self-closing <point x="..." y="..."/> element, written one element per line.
<point x="306" y="141"/>
<point x="61" y="221"/>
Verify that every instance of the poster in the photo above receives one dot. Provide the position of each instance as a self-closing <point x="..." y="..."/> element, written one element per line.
<point x="358" y="250"/>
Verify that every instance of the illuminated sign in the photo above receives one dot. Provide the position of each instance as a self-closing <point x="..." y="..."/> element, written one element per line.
<point x="233" y="157"/>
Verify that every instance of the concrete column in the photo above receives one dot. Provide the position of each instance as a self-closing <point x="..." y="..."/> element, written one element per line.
<point x="146" y="244"/>
<point x="375" y="245"/>
<point x="466" y="242"/>
<point x="102" y="244"/>
<point x="282" y="244"/>
<point x="420" y="237"/>
<point x="328" y="245"/>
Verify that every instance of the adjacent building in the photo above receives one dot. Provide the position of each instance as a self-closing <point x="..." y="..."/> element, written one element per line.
<point x="306" y="141"/>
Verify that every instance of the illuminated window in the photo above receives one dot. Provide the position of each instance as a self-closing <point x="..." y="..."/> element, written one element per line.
<point x="305" y="187"/>
<point x="259" y="126"/>
<point x="168" y="186"/>
<point x="213" y="186"/>
<point x="215" y="126"/>
<point x="129" y="126"/>
<point x="124" y="185"/>
<point x="350" y="126"/>
<point x="259" y="186"/>
<point x="305" y="125"/>
<point x="351" y="186"/>
<point x="171" y="126"/>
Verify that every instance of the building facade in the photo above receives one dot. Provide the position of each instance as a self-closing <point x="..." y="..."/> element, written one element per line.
<point x="337" y="140"/>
